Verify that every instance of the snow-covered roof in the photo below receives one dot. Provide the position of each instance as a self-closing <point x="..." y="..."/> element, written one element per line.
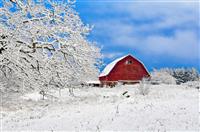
<point x="110" y="66"/>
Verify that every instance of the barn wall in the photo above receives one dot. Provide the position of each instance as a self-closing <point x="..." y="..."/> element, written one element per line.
<point x="123" y="71"/>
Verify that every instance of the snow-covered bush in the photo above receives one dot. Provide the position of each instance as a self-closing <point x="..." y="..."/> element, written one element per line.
<point x="144" y="86"/>
<point x="44" y="45"/>
<point x="160" y="76"/>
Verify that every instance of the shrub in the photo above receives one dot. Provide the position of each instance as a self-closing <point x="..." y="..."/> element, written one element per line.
<point x="144" y="86"/>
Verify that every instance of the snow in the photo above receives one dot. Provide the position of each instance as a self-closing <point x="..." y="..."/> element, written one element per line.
<point x="93" y="82"/>
<point x="110" y="66"/>
<point x="33" y="96"/>
<point x="166" y="107"/>
<point x="195" y="84"/>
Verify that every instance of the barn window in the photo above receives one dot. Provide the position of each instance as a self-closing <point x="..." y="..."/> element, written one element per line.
<point x="129" y="62"/>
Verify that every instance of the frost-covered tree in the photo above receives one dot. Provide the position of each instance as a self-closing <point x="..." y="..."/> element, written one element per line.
<point x="44" y="44"/>
<point x="162" y="77"/>
<point x="184" y="75"/>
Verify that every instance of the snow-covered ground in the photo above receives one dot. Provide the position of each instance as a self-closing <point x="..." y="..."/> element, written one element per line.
<point x="166" y="107"/>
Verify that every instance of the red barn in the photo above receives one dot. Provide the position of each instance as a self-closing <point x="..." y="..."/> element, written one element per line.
<point x="126" y="69"/>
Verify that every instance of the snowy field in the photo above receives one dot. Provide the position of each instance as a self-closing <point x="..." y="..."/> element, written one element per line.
<point x="166" y="107"/>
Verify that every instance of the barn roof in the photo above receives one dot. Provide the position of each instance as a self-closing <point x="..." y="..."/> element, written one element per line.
<point x="111" y="65"/>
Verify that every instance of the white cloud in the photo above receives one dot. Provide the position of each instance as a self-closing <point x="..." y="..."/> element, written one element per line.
<point x="184" y="44"/>
<point x="112" y="55"/>
<point x="147" y="35"/>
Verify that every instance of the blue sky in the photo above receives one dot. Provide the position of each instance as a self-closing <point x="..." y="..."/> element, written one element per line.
<point x="159" y="33"/>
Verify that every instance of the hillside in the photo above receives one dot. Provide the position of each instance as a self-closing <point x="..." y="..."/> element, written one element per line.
<point x="166" y="107"/>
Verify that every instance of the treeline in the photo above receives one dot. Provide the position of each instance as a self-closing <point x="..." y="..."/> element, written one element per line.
<point x="174" y="75"/>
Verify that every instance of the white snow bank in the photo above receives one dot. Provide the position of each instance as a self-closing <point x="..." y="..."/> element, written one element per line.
<point x="165" y="108"/>
<point x="93" y="82"/>
<point x="33" y="96"/>
<point x="194" y="84"/>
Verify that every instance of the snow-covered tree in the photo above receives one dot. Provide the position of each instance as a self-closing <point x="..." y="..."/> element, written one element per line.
<point x="162" y="76"/>
<point x="184" y="75"/>
<point x="44" y="44"/>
